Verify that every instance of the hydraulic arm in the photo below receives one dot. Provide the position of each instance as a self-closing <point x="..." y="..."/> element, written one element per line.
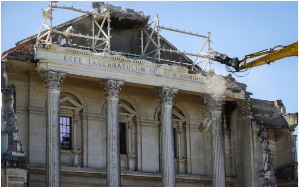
<point x="262" y="57"/>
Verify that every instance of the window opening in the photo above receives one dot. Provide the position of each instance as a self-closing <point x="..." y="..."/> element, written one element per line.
<point x="175" y="142"/>
<point x="123" y="138"/>
<point x="65" y="123"/>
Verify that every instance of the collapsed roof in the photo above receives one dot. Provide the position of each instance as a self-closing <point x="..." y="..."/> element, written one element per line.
<point x="120" y="15"/>
<point x="272" y="114"/>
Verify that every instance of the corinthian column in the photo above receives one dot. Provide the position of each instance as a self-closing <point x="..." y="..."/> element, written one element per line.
<point x="215" y="106"/>
<point x="53" y="82"/>
<point x="112" y="88"/>
<point x="168" y="171"/>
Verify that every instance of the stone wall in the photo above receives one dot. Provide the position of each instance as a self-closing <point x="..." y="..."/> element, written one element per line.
<point x="31" y="112"/>
<point x="140" y="109"/>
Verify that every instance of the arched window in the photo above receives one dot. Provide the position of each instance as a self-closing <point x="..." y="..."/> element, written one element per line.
<point x="127" y="122"/>
<point x="70" y="123"/>
<point x="179" y="139"/>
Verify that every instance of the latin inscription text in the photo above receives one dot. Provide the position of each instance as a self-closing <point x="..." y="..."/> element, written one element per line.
<point x="153" y="69"/>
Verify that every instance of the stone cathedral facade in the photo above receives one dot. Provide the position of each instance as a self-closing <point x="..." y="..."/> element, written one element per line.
<point x="75" y="117"/>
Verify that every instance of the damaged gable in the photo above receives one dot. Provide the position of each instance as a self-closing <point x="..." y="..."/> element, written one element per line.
<point x="126" y="27"/>
<point x="122" y="18"/>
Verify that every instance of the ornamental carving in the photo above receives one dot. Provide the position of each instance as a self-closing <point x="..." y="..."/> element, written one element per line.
<point x="244" y="106"/>
<point x="53" y="79"/>
<point x="205" y="126"/>
<point x="167" y="94"/>
<point x="112" y="88"/>
<point x="214" y="102"/>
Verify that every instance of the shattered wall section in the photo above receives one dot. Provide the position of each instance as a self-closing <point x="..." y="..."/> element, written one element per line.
<point x="13" y="160"/>
<point x="275" y="131"/>
<point x="14" y="154"/>
<point x="267" y="172"/>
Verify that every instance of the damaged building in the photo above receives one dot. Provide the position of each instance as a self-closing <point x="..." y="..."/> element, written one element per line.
<point x="105" y="100"/>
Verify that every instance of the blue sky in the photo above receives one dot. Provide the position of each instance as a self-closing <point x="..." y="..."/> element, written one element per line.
<point x="238" y="29"/>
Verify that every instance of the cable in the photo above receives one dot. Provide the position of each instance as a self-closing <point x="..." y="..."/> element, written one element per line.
<point x="281" y="46"/>
<point x="230" y="70"/>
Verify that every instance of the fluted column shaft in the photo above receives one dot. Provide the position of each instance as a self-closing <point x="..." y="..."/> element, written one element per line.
<point x="215" y="105"/>
<point x="53" y="82"/>
<point x="112" y="89"/>
<point x="168" y="170"/>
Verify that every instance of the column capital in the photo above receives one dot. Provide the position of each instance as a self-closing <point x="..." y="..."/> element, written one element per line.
<point x="53" y="79"/>
<point x="113" y="87"/>
<point x="244" y="106"/>
<point x="214" y="102"/>
<point x="167" y="94"/>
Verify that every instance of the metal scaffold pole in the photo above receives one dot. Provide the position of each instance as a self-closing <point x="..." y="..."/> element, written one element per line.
<point x="108" y="28"/>
<point x="141" y="42"/>
<point x="158" y="38"/>
<point x="93" y="34"/>
<point x="209" y="50"/>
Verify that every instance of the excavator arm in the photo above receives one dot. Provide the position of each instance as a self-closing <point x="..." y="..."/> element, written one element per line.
<point x="269" y="56"/>
<point x="262" y="57"/>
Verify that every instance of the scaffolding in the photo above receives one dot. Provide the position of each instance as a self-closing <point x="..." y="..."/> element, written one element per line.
<point x="149" y="35"/>
<point x="100" y="38"/>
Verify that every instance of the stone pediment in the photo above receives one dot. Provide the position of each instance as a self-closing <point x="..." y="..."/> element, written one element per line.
<point x="69" y="103"/>
<point x="125" y="109"/>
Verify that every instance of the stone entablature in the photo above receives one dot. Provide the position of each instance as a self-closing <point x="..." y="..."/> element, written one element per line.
<point x="107" y="66"/>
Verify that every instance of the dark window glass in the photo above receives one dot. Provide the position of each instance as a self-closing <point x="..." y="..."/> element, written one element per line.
<point x="65" y="125"/>
<point x="123" y="138"/>
<point x="174" y="143"/>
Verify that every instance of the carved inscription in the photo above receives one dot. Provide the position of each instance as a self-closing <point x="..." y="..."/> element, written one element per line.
<point x="146" y="68"/>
